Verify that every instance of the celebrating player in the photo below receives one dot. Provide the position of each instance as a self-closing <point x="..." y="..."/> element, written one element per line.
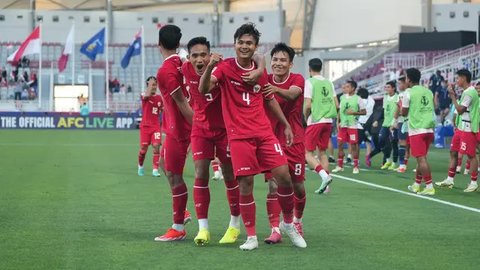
<point x="351" y="106"/>
<point x="177" y="126"/>
<point x="254" y="148"/>
<point x="418" y="106"/>
<point x="287" y="88"/>
<point x="468" y="111"/>
<point x="403" y="143"/>
<point x="150" y="131"/>
<point x="320" y="109"/>
<point x="209" y="139"/>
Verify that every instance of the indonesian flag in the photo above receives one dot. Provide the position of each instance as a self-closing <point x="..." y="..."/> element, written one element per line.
<point x="67" y="50"/>
<point x="32" y="45"/>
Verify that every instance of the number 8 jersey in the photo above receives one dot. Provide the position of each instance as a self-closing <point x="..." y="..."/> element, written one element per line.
<point x="242" y="104"/>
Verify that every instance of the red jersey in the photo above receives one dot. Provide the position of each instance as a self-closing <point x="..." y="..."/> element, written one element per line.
<point x="242" y="104"/>
<point x="151" y="108"/>
<point x="206" y="108"/>
<point x="293" y="110"/>
<point x="170" y="80"/>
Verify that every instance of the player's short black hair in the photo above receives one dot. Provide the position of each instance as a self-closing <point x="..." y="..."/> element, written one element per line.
<point x="198" y="41"/>
<point x="362" y="92"/>
<point x="247" y="29"/>
<point x="282" y="47"/>
<point x="150" y="78"/>
<point x="315" y="64"/>
<point x="413" y="75"/>
<point x="402" y="78"/>
<point x="352" y="83"/>
<point x="465" y="73"/>
<point x="169" y="36"/>
<point x="393" y="84"/>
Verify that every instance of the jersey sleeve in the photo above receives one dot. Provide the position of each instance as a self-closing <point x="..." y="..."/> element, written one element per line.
<point x="299" y="82"/>
<point x="467" y="101"/>
<point x="218" y="72"/>
<point x="406" y="100"/>
<point x="307" y="92"/>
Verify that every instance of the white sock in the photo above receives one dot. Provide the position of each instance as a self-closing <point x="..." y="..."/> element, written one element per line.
<point x="235" y="222"/>
<point x="389" y="160"/>
<point x="297" y="220"/>
<point x="349" y="156"/>
<point x="140" y="167"/>
<point x="178" y="227"/>
<point x="403" y="166"/>
<point x="473" y="182"/>
<point x="429" y="185"/>
<point x="276" y="229"/>
<point x="449" y="178"/>
<point x="203" y="223"/>
<point x="323" y="174"/>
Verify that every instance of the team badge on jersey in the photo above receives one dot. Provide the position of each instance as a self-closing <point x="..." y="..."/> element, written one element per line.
<point x="256" y="88"/>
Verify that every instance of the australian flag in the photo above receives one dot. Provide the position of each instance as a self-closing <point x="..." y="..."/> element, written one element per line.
<point x="134" y="49"/>
<point x="94" y="45"/>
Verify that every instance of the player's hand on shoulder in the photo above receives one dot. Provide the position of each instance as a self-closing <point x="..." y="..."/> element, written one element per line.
<point x="252" y="77"/>
<point x="269" y="89"/>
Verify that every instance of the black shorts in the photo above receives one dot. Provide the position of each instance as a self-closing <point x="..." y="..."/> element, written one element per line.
<point x="402" y="136"/>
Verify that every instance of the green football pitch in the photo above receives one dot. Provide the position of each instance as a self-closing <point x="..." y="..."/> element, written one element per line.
<point x="72" y="200"/>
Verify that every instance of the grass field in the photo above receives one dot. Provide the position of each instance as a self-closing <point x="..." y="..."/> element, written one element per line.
<point x="72" y="200"/>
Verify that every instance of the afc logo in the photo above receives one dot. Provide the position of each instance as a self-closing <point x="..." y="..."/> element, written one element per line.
<point x="347" y="106"/>
<point x="424" y="101"/>
<point x="324" y="91"/>
<point x="256" y="88"/>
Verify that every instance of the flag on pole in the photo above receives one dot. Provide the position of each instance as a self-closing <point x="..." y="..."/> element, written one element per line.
<point x="67" y="50"/>
<point x="32" y="45"/>
<point x="134" y="49"/>
<point x="94" y="45"/>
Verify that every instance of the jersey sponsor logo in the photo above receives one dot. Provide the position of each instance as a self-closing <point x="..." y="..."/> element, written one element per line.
<point x="235" y="83"/>
<point x="198" y="153"/>
<point x="245" y="169"/>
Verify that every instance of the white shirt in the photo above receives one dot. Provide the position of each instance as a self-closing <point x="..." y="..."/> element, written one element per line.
<point x="412" y="131"/>
<point x="465" y="124"/>
<point x="308" y="93"/>
<point x="369" y="104"/>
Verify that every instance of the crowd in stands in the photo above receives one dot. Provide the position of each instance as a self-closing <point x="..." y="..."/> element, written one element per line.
<point x="114" y="86"/>
<point x="24" y="85"/>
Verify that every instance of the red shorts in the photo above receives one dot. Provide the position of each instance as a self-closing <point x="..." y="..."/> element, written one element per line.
<point x="348" y="135"/>
<point x="420" y="143"/>
<point x="255" y="155"/>
<point x="175" y="154"/>
<point x="478" y="137"/>
<point x="150" y="135"/>
<point x="468" y="143"/>
<point x="296" y="163"/>
<point x="455" y="144"/>
<point x="407" y="141"/>
<point x="317" y="135"/>
<point x="207" y="147"/>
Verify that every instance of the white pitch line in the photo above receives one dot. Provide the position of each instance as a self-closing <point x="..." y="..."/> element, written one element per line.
<point x="476" y="210"/>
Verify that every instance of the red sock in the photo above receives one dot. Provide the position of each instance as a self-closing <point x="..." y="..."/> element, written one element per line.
<point x="467" y="166"/>
<point x="405" y="161"/>
<point x="215" y="166"/>
<point x="273" y="210"/>
<point x="418" y="177"/>
<point x="428" y="179"/>
<point x="355" y="161"/>
<point x="299" y="205"/>
<point x="179" y="198"/>
<point x="319" y="168"/>
<point x="285" y="199"/>
<point x="201" y="198"/>
<point x="451" y="172"/>
<point x="233" y="195"/>
<point x="474" y="175"/>
<point x="340" y="160"/>
<point x="156" y="158"/>
<point x="248" y="211"/>
<point x="141" y="157"/>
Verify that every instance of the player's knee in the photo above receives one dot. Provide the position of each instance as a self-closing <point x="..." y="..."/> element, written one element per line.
<point x="299" y="189"/>
<point x="202" y="172"/>
<point x="245" y="184"/>
<point x="272" y="187"/>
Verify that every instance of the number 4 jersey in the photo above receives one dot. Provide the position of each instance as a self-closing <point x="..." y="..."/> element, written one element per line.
<point x="242" y="104"/>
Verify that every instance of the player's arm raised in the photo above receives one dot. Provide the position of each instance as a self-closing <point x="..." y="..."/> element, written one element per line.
<point x="291" y="93"/>
<point x="207" y="81"/>
<point x="252" y="77"/>
<point x="148" y="92"/>
<point x="274" y="107"/>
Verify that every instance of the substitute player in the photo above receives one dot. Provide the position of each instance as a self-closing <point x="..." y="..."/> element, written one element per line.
<point x="418" y="106"/>
<point x="351" y="106"/>
<point x="403" y="142"/>
<point x="150" y="131"/>
<point x="177" y="125"/>
<point x="468" y="127"/>
<point x="287" y="88"/>
<point x="209" y="140"/>
<point x="320" y="109"/>
<point x="254" y="148"/>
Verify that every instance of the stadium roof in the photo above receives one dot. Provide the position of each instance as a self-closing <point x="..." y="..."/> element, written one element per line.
<point x="95" y="4"/>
